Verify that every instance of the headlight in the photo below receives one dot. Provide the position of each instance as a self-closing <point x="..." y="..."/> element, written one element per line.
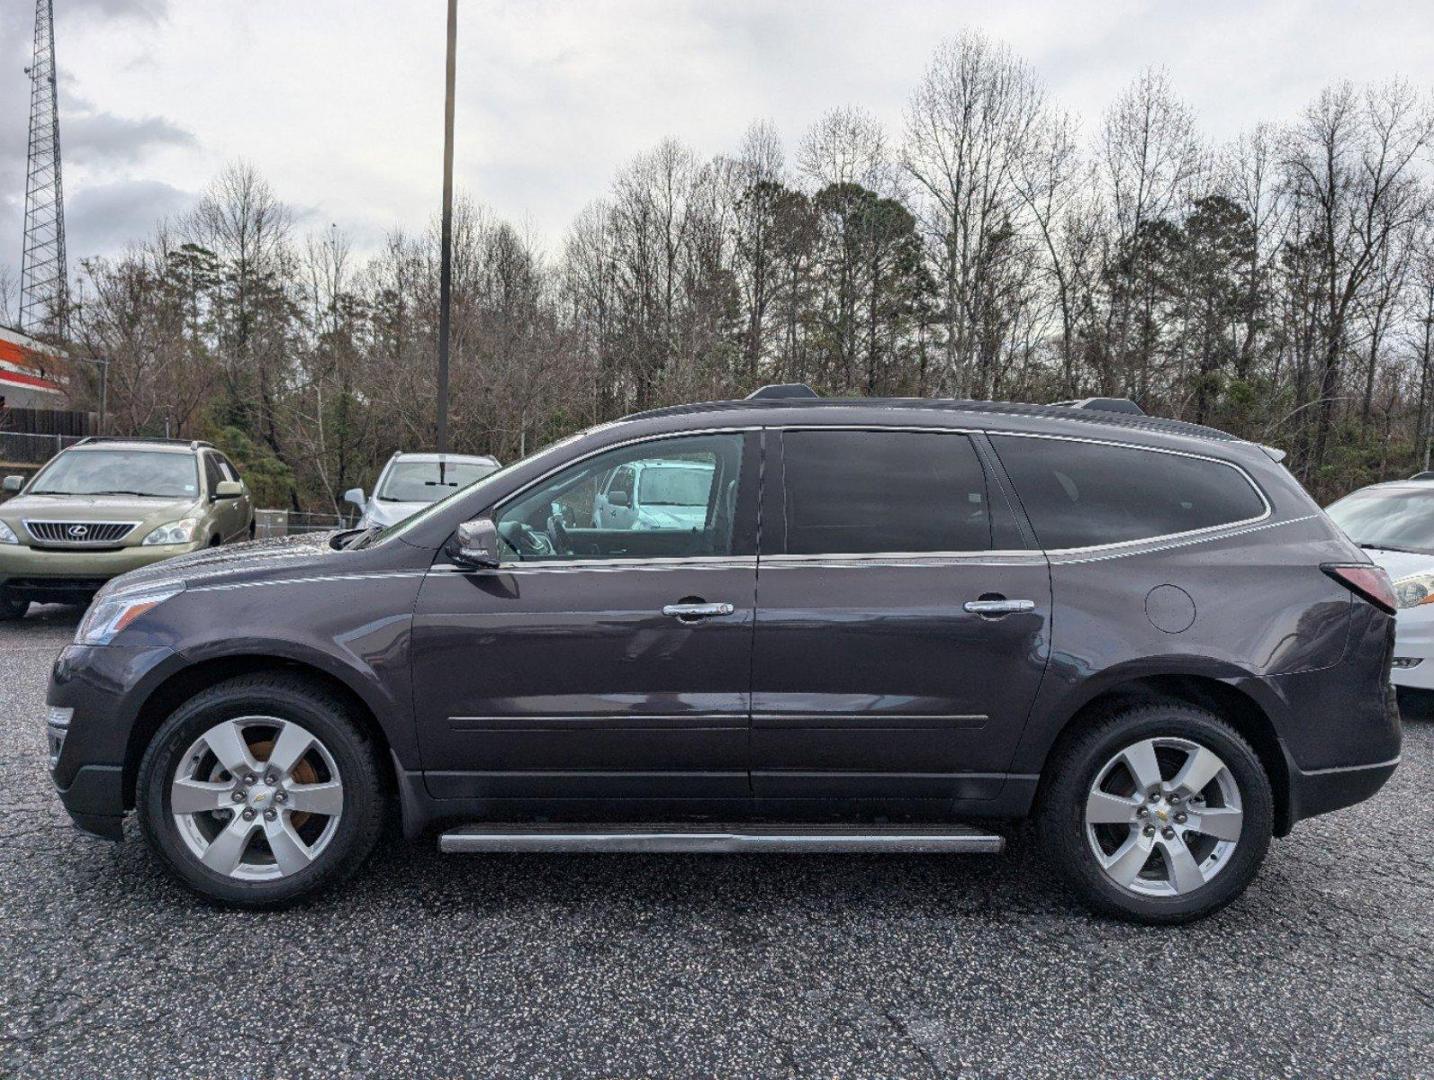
<point x="1414" y="590"/>
<point x="176" y="532"/>
<point x="111" y="614"/>
<point x="7" y="534"/>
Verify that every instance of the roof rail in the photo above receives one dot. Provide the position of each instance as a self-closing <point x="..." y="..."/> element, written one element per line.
<point x="1427" y="474"/>
<point x="193" y="444"/>
<point x="782" y="390"/>
<point x="1104" y="404"/>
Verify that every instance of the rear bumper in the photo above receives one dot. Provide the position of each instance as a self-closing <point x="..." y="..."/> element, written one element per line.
<point x="1321" y="790"/>
<point x="54" y="573"/>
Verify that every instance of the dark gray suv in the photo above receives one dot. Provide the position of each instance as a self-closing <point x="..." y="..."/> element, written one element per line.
<point x="896" y="620"/>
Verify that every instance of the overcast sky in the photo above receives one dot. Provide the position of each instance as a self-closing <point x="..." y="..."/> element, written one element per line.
<point x="339" y="104"/>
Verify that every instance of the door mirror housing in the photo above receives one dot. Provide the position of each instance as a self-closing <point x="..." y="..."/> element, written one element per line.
<point x="13" y="484"/>
<point x="355" y="497"/>
<point x="228" y="489"/>
<point x="477" y="544"/>
<point x="619" y="498"/>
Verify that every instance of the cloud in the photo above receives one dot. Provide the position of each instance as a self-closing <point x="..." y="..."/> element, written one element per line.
<point x="104" y="138"/>
<point x="152" y="11"/>
<point x="108" y="217"/>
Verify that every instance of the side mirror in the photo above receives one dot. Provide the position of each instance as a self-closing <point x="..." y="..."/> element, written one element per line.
<point x="619" y="498"/>
<point x="477" y="546"/>
<point x="13" y="484"/>
<point x="355" y="496"/>
<point x="228" y="489"/>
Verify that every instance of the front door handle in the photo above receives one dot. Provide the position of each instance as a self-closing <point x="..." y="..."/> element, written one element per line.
<point x="694" y="611"/>
<point x="998" y="607"/>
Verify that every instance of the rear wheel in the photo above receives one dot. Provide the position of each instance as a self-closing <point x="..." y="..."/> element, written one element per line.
<point x="261" y="790"/>
<point x="12" y="610"/>
<point x="1160" y="814"/>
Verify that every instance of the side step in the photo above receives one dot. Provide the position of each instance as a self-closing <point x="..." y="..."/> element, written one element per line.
<point x="718" y="839"/>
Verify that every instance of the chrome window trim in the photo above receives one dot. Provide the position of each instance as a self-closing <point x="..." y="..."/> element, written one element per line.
<point x="987" y="557"/>
<point x="900" y="558"/>
<point x="1134" y="546"/>
<point x="1182" y="540"/>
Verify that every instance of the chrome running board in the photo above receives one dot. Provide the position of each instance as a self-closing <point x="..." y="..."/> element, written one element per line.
<point x="722" y="839"/>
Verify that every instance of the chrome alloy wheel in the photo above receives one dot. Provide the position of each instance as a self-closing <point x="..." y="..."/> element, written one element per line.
<point x="256" y="798"/>
<point x="1163" y="817"/>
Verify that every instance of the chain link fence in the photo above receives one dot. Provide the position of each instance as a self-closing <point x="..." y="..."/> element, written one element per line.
<point x="269" y="523"/>
<point x="21" y="448"/>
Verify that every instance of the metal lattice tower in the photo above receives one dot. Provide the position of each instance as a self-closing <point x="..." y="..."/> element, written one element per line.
<point x="43" y="276"/>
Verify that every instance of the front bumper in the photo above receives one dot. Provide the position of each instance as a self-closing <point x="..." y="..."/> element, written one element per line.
<point x="29" y="573"/>
<point x="103" y="686"/>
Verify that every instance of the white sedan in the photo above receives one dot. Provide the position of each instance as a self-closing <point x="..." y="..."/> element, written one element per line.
<point x="1394" y="522"/>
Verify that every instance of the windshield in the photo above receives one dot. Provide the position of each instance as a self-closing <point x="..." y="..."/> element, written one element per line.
<point x="427" y="481"/>
<point x="120" y="472"/>
<point x="408" y="523"/>
<point x="669" y="486"/>
<point x="1388" y="518"/>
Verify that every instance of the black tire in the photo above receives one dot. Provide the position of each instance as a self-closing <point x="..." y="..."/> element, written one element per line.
<point x="1061" y="821"/>
<point x="13" y="610"/>
<point x="365" y="800"/>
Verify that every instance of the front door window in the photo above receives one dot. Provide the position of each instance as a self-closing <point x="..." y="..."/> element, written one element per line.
<point x="667" y="498"/>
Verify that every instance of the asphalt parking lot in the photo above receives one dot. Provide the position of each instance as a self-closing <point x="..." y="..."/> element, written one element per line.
<point x="633" y="966"/>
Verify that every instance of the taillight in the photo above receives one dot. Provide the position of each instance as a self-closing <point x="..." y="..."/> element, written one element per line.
<point x="1367" y="581"/>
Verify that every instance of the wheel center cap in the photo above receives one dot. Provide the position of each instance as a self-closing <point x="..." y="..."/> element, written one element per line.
<point x="261" y="796"/>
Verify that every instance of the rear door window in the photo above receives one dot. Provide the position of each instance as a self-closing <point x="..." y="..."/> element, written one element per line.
<point x="1083" y="494"/>
<point x="867" y="492"/>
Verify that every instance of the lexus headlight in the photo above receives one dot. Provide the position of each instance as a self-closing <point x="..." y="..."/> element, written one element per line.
<point x="108" y="615"/>
<point x="7" y="534"/>
<point x="1414" y="590"/>
<point x="176" y="532"/>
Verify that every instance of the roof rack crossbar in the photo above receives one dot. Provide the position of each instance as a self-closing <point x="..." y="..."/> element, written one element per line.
<point x="1104" y="404"/>
<point x="775" y="391"/>
<point x="193" y="444"/>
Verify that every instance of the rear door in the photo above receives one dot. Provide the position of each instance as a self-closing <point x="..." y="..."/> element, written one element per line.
<point x="903" y="622"/>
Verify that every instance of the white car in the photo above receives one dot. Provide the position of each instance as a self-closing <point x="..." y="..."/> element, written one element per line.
<point x="409" y="482"/>
<point x="1394" y="522"/>
<point x="655" y="495"/>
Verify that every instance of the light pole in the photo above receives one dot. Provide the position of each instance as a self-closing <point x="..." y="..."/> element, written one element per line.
<point x="445" y="272"/>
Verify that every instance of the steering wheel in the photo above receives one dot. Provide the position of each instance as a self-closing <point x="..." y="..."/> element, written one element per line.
<point x="526" y="540"/>
<point x="558" y="536"/>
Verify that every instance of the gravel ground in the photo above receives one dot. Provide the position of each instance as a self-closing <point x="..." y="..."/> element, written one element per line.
<point x="634" y="966"/>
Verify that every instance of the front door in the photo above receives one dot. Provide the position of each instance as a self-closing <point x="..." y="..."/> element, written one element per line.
<point x="903" y="625"/>
<point x="598" y="661"/>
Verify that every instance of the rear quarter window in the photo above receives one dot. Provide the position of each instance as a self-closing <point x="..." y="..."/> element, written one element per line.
<point x="1080" y="494"/>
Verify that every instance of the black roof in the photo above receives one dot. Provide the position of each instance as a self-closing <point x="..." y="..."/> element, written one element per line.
<point x="1064" y="412"/>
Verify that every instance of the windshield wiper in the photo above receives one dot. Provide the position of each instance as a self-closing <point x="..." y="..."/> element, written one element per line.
<point x="1390" y="547"/>
<point x="141" y="494"/>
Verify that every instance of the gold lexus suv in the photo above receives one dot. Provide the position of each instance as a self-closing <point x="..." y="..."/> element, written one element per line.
<point x="107" y="505"/>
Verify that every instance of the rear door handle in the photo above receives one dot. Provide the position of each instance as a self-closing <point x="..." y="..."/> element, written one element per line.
<point x="998" y="607"/>
<point x="688" y="612"/>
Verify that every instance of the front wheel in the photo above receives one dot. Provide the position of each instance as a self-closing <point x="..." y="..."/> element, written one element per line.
<point x="261" y="790"/>
<point x="1159" y="814"/>
<point x="12" y="610"/>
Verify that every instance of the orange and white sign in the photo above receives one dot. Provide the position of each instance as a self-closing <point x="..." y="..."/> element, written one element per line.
<point x="31" y="374"/>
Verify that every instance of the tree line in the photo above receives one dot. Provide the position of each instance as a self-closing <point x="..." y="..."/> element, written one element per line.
<point x="1280" y="286"/>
